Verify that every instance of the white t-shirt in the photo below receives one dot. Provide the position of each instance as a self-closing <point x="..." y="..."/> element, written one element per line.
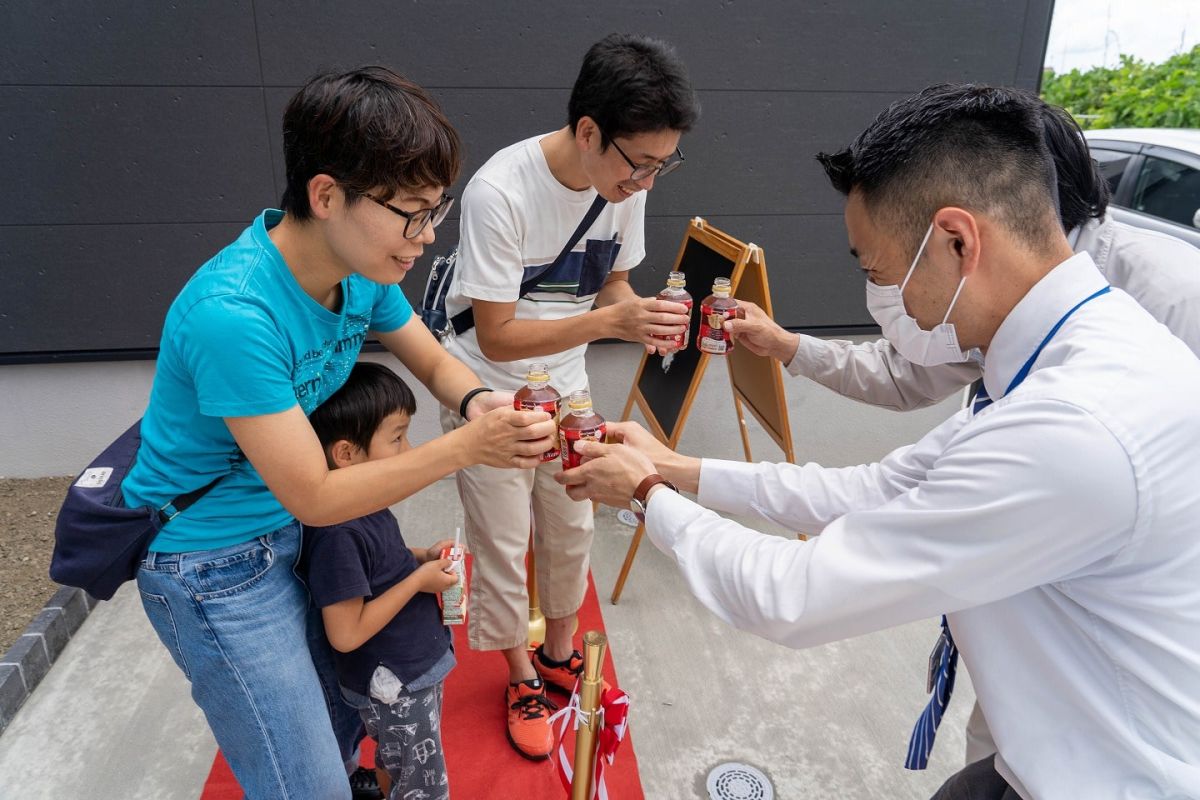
<point x="516" y="218"/>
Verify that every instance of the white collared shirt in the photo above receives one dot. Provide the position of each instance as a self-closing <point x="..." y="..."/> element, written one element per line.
<point x="1059" y="527"/>
<point x="1159" y="271"/>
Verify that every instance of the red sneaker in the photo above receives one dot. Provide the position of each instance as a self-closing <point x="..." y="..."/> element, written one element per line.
<point x="528" y="712"/>
<point x="562" y="676"/>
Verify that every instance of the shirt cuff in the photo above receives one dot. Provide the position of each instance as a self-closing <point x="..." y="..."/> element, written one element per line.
<point x="668" y="515"/>
<point x="490" y="294"/>
<point x="809" y="351"/>
<point x="727" y="485"/>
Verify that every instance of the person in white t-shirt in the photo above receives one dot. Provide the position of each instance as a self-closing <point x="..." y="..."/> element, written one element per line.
<point x="628" y="109"/>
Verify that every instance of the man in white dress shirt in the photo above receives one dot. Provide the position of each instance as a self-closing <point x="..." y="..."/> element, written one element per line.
<point x="1054" y="523"/>
<point x="1160" y="272"/>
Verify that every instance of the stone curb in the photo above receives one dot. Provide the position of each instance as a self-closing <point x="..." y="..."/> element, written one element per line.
<point x="31" y="656"/>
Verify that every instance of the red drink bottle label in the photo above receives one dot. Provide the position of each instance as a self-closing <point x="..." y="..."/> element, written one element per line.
<point x="714" y="338"/>
<point x="680" y="339"/>
<point x="551" y="408"/>
<point x="567" y="438"/>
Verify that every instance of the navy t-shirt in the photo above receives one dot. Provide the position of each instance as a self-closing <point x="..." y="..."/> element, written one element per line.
<point x="363" y="558"/>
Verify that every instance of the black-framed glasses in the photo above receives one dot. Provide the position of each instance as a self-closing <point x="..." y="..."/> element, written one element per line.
<point x="415" y="221"/>
<point x="658" y="169"/>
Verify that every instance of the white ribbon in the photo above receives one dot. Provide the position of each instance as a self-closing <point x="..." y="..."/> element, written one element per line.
<point x="572" y="710"/>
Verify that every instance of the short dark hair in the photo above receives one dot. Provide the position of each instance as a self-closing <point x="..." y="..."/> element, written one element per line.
<point x="1083" y="192"/>
<point x="977" y="147"/>
<point x="354" y="412"/>
<point x="633" y="84"/>
<point x="370" y="129"/>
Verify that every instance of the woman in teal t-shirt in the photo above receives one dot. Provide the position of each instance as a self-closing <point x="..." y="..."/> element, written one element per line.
<point x="259" y="336"/>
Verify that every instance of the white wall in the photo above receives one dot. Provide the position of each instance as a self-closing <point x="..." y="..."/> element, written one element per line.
<point x="54" y="418"/>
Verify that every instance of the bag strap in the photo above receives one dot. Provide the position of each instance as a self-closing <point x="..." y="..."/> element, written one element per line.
<point x="173" y="508"/>
<point x="464" y="320"/>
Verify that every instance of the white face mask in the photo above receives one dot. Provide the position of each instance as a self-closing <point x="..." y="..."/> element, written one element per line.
<point x="926" y="348"/>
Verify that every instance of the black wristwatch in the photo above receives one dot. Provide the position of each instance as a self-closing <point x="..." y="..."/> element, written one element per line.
<point x="638" y="504"/>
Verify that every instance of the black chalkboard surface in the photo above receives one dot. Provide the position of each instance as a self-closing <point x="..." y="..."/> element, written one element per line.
<point x="665" y="391"/>
<point x="665" y="397"/>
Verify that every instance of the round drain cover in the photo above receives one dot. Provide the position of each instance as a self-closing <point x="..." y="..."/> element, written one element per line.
<point x="628" y="517"/>
<point x="735" y="781"/>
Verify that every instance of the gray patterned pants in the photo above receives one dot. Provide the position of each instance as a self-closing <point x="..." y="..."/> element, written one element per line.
<point x="409" y="739"/>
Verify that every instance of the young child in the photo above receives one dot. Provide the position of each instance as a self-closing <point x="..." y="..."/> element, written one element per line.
<point x="378" y="597"/>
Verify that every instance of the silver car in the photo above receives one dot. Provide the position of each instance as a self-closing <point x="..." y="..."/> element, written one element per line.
<point x="1154" y="174"/>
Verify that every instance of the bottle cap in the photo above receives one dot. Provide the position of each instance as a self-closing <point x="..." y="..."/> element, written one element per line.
<point x="537" y="373"/>
<point x="676" y="280"/>
<point x="721" y="287"/>
<point x="580" y="400"/>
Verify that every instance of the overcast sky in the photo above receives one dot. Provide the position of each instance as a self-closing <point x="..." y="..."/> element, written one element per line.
<point x="1152" y="30"/>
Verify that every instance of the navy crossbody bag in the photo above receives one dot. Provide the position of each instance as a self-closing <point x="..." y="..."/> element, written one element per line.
<point x="99" y="542"/>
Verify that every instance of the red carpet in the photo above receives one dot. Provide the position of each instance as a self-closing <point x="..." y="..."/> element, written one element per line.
<point x="483" y="766"/>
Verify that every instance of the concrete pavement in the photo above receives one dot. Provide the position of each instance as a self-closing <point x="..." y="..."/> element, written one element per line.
<point x="114" y="719"/>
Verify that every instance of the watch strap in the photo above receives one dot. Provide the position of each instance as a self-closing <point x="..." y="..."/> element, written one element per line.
<point x="648" y="483"/>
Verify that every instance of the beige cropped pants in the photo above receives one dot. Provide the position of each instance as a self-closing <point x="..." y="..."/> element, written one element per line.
<point x="497" y="504"/>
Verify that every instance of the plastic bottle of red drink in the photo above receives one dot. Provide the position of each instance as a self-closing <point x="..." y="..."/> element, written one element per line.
<point x="677" y="294"/>
<point x="718" y="307"/>
<point x="580" y="422"/>
<point x="538" y="395"/>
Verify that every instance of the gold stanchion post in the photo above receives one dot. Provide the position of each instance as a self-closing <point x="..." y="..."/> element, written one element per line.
<point x="594" y="643"/>
<point x="537" y="620"/>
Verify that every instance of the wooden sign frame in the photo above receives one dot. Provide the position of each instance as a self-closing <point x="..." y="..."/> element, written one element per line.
<point x="751" y="374"/>
<point x="736" y="252"/>
<point x="757" y="381"/>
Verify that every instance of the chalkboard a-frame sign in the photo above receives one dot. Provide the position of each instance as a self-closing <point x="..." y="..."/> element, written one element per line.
<point x="665" y="397"/>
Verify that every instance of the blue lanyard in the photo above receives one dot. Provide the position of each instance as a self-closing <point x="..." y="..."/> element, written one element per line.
<point x="945" y="654"/>
<point x="1023" y="373"/>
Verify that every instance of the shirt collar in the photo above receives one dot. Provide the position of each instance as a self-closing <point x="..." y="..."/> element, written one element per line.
<point x="1034" y="315"/>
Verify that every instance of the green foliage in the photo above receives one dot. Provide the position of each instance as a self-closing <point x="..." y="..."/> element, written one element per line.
<point x="1132" y="95"/>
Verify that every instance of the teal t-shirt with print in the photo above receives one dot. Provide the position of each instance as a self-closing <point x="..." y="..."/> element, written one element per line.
<point x="242" y="339"/>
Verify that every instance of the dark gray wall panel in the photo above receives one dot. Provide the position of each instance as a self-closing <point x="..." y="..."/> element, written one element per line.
<point x="753" y="153"/>
<point x="815" y="283"/>
<point x="1027" y="74"/>
<point x="141" y="137"/>
<point x="865" y="45"/>
<point x="100" y="155"/>
<point x="487" y="120"/>
<point x="97" y="287"/>
<point x="128" y="43"/>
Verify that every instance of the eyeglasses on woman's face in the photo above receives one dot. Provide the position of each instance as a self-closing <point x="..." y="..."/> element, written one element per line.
<point x="415" y="221"/>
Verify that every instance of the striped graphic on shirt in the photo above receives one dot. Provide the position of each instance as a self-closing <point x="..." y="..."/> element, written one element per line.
<point x="580" y="276"/>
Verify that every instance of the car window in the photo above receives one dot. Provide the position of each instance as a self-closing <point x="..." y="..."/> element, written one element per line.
<point x="1169" y="190"/>
<point x="1112" y="165"/>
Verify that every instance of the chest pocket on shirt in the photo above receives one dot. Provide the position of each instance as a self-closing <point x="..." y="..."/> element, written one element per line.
<point x="598" y="259"/>
<point x="582" y="273"/>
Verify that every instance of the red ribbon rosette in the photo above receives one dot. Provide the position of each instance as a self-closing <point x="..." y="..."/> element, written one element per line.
<point x="612" y="724"/>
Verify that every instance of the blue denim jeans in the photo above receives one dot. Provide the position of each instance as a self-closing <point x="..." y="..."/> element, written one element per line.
<point x="239" y="622"/>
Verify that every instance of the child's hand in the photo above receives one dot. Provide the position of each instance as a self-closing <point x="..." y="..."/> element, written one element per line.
<point x="434" y="551"/>
<point x="432" y="576"/>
